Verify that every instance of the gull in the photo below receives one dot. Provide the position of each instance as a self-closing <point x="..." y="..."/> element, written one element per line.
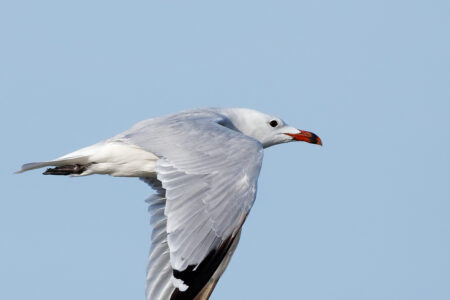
<point x="203" y="165"/>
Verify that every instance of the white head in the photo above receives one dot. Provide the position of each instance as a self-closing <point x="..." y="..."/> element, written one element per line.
<point x="268" y="130"/>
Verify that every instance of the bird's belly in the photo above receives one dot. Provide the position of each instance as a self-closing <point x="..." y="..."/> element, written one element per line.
<point x="121" y="159"/>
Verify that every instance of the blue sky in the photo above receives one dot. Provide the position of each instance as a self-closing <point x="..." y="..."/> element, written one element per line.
<point x="364" y="217"/>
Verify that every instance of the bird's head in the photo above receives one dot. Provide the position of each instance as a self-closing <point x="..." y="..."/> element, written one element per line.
<point x="268" y="130"/>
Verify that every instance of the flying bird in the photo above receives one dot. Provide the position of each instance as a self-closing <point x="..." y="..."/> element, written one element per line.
<point x="203" y="165"/>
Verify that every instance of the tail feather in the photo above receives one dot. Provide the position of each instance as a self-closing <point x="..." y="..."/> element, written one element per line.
<point x="73" y="161"/>
<point x="111" y="157"/>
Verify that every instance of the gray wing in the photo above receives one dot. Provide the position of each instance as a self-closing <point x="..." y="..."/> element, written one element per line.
<point x="159" y="272"/>
<point x="209" y="174"/>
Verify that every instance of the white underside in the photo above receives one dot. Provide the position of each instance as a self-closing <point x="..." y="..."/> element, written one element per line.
<point x="121" y="159"/>
<point x="111" y="157"/>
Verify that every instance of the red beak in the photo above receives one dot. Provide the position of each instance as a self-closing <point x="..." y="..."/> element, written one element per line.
<point x="306" y="136"/>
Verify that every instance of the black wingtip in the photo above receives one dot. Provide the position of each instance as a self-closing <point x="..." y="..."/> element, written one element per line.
<point x="197" y="276"/>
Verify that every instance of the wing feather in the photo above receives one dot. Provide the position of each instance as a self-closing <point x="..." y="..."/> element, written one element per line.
<point x="159" y="271"/>
<point x="207" y="176"/>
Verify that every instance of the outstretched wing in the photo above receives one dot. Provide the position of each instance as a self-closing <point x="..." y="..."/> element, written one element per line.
<point x="208" y="173"/>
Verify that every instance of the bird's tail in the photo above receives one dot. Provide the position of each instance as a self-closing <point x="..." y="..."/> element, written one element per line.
<point x="112" y="157"/>
<point x="69" y="166"/>
<point x="73" y="163"/>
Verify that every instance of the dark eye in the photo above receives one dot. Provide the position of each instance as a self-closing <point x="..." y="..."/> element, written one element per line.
<point x="273" y="123"/>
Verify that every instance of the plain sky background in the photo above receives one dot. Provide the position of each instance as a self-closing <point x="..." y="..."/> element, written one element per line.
<point x="364" y="217"/>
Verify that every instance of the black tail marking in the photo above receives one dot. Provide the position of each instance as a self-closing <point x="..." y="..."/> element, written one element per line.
<point x="66" y="170"/>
